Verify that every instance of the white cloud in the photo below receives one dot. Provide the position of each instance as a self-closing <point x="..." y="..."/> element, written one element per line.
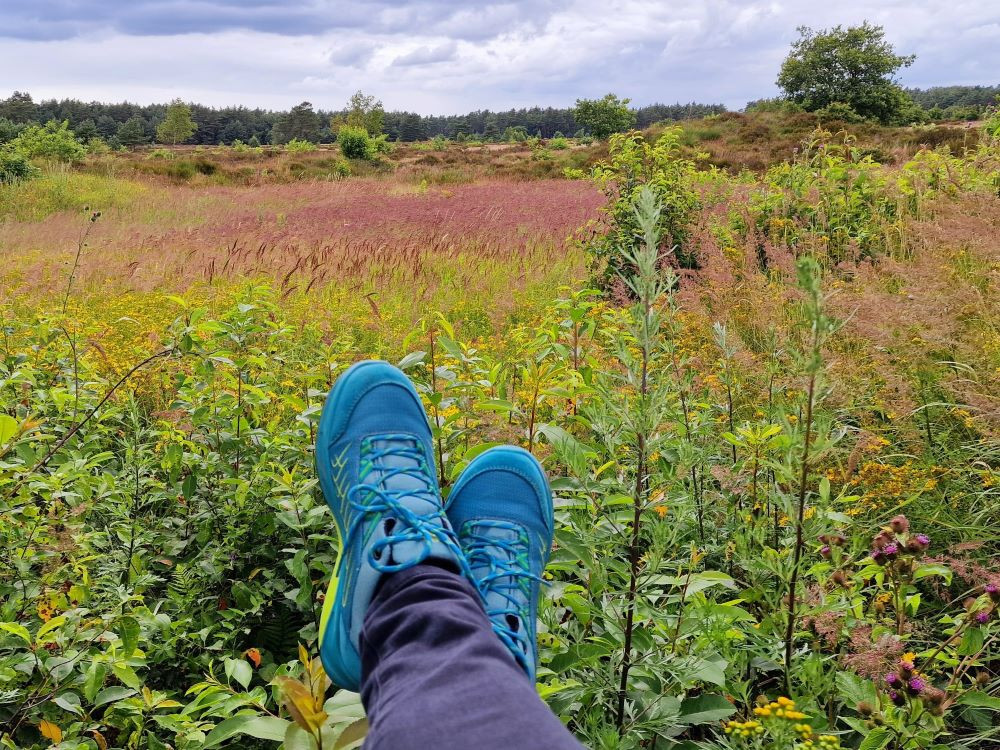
<point x="447" y="56"/>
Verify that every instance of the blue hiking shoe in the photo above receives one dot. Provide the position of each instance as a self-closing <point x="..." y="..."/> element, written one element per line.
<point x="375" y="462"/>
<point x="501" y="507"/>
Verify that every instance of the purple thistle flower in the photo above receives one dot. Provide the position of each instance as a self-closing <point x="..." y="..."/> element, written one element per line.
<point x="991" y="588"/>
<point x="924" y="540"/>
<point x="892" y="679"/>
<point x="916" y="686"/>
<point x="983" y="617"/>
<point x="825" y="551"/>
<point x="891" y="549"/>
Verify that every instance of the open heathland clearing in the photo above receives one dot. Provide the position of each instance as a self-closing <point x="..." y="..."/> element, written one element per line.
<point x="760" y="361"/>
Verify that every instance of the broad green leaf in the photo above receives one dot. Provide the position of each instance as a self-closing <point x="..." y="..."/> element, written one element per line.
<point x="48" y="627"/>
<point x="713" y="672"/>
<point x="411" y="360"/>
<point x="353" y="735"/>
<point x="239" y="670"/>
<point x="15" y="629"/>
<point x="261" y="727"/>
<point x="876" y="739"/>
<point x="113" y="694"/>
<point x="979" y="699"/>
<point x="972" y="642"/>
<point x="707" y="579"/>
<point x="128" y="631"/>
<point x="933" y="569"/>
<point x="8" y="428"/>
<point x="704" y="709"/>
<point x="94" y="680"/>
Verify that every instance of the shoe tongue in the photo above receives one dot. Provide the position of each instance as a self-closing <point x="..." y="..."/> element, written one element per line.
<point x="502" y="586"/>
<point x="401" y="473"/>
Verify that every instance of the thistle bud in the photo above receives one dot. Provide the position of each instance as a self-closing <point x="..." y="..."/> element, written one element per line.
<point x="882" y="539"/>
<point x="899" y="524"/>
<point x="993" y="592"/>
<point x="865" y="709"/>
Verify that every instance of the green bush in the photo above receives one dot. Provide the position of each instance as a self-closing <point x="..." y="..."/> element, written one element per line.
<point x="355" y="143"/>
<point x="632" y="165"/>
<point x="838" y="111"/>
<point x="8" y="130"/>
<point x="53" y="140"/>
<point x="14" y="168"/>
<point x="299" y="146"/>
<point x="559" y="143"/>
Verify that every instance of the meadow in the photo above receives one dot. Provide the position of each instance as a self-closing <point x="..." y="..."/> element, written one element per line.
<point x="758" y="355"/>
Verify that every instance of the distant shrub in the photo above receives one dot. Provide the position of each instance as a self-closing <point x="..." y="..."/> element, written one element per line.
<point x="181" y="170"/>
<point x="206" y="167"/>
<point x="9" y="130"/>
<point x="98" y="147"/>
<point x="298" y="146"/>
<point x="439" y="143"/>
<point x="341" y="169"/>
<point x="558" y="143"/>
<point x="992" y="124"/>
<point x="355" y="143"/>
<point x="15" y="168"/>
<point x="775" y="106"/>
<point x="838" y="111"/>
<point x="53" y="140"/>
<point x="160" y="153"/>
<point x="380" y="145"/>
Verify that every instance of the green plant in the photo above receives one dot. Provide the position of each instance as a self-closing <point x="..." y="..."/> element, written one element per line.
<point x="14" y="168"/>
<point x="53" y="141"/>
<point x="297" y="146"/>
<point x="355" y="143"/>
<point x="605" y="116"/>
<point x="634" y="164"/>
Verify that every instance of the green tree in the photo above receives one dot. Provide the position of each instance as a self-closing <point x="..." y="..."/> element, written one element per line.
<point x="364" y="111"/>
<point x="132" y="132"/>
<point x="86" y="130"/>
<point x="853" y="66"/>
<point x="301" y="123"/>
<point x="178" y="126"/>
<point x="602" y="117"/>
<point x="19" y="107"/>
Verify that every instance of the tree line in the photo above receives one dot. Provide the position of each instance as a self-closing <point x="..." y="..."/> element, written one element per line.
<point x="131" y="124"/>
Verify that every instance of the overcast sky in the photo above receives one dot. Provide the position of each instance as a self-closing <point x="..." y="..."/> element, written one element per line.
<point x="449" y="56"/>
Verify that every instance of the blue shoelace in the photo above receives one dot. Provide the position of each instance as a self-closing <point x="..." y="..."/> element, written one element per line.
<point x="506" y="571"/>
<point x="367" y="499"/>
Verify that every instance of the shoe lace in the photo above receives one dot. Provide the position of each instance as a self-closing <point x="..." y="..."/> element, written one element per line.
<point x="507" y="573"/>
<point x="382" y="498"/>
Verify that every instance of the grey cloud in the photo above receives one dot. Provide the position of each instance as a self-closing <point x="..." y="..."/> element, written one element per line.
<point x="427" y="55"/>
<point x="61" y="19"/>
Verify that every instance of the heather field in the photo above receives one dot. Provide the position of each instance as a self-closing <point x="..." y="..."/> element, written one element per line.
<point x="759" y="359"/>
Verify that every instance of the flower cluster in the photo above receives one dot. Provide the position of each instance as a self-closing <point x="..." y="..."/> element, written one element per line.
<point x="897" y="544"/>
<point x="743" y="729"/>
<point x="782" y="708"/>
<point x="822" y="742"/>
<point x="905" y="683"/>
